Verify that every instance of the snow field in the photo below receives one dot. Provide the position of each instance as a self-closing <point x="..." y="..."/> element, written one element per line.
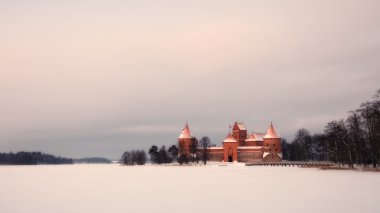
<point x="213" y="188"/>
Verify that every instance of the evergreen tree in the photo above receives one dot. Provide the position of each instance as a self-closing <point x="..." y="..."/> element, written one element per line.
<point x="163" y="155"/>
<point x="154" y="155"/>
<point x="173" y="153"/>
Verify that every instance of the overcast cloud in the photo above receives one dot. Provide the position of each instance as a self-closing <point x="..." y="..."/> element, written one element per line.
<point x="95" y="78"/>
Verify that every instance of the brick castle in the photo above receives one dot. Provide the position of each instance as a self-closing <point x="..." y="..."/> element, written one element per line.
<point x="237" y="147"/>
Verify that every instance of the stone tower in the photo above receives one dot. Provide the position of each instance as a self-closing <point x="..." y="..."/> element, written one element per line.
<point x="230" y="145"/>
<point x="239" y="132"/>
<point x="272" y="143"/>
<point x="184" y="141"/>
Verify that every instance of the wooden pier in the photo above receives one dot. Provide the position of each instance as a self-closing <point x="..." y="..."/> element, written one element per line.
<point x="293" y="163"/>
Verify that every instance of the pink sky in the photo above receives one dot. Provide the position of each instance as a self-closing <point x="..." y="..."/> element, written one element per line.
<point x="85" y="78"/>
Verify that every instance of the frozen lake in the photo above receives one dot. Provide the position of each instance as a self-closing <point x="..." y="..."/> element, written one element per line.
<point x="232" y="188"/>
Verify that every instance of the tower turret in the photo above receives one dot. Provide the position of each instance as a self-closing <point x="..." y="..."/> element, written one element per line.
<point x="272" y="141"/>
<point x="184" y="141"/>
<point x="239" y="132"/>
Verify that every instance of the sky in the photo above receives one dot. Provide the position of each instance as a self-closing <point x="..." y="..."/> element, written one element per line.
<point x="96" y="78"/>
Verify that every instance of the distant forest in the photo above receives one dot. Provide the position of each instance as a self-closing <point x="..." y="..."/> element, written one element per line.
<point x="31" y="158"/>
<point x="354" y="140"/>
<point x="92" y="160"/>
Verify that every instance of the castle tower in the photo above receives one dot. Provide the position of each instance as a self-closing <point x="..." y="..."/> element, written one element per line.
<point x="230" y="145"/>
<point x="272" y="141"/>
<point x="184" y="141"/>
<point x="239" y="132"/>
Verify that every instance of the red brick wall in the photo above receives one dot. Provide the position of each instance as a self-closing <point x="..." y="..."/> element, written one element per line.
<point x="273" y="144"/>
<point x="250" y="143"/>
<point x="240" y="136"/>
<point x="253" y="143"/>
<point x="216" y="154"/>
<point x="230" y="149"/>
<point x="249" y="156"/>
<point x="184" y="146"/>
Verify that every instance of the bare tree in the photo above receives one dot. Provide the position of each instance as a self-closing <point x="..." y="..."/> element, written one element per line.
<point x="194" y="149"/>
<point x="204" y="144"/>
<point x="370" y="113"/>
<point x="353" y="140"/>
<point x="133" y="157"/>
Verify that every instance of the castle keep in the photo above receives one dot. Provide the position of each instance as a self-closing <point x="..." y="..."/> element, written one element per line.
<point x="238" y="146"/>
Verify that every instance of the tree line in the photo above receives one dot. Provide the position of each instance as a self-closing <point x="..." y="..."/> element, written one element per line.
<point x="161" y="156"/>
<point x="157" y="156"/>
<point x="31" y="158"/>
<point x="135" y="157"/>
<point x="354" y="140"/>
<point x="92" y="160"/>
<point x="198" y="151"/>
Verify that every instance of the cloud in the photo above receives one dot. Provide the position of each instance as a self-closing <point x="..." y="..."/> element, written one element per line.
<point x="142" y="129"/>
<point x="79" y="79"/>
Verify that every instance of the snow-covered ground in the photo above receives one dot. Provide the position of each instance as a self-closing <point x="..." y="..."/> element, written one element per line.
<point x="231" y="188"/>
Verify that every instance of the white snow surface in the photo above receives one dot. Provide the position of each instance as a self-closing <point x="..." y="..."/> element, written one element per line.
<point x="213" y="188"/>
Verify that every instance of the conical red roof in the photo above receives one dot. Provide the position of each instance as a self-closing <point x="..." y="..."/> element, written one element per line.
<point x="185" y="133"/>
<point x="271" y="133"/>
<point x="230" y="139"/>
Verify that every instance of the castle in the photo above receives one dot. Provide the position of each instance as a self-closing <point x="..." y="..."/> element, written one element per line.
<point x="237" y="147"/>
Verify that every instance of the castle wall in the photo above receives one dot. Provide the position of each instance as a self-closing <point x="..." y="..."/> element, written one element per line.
<point x="243" y="154"/>
<point x="237" y="147"/>
<point x="253" y="143"/>
<point x="215" y="154"/>
<point x="273" y="144"/>
<point x="249" y="157"/>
